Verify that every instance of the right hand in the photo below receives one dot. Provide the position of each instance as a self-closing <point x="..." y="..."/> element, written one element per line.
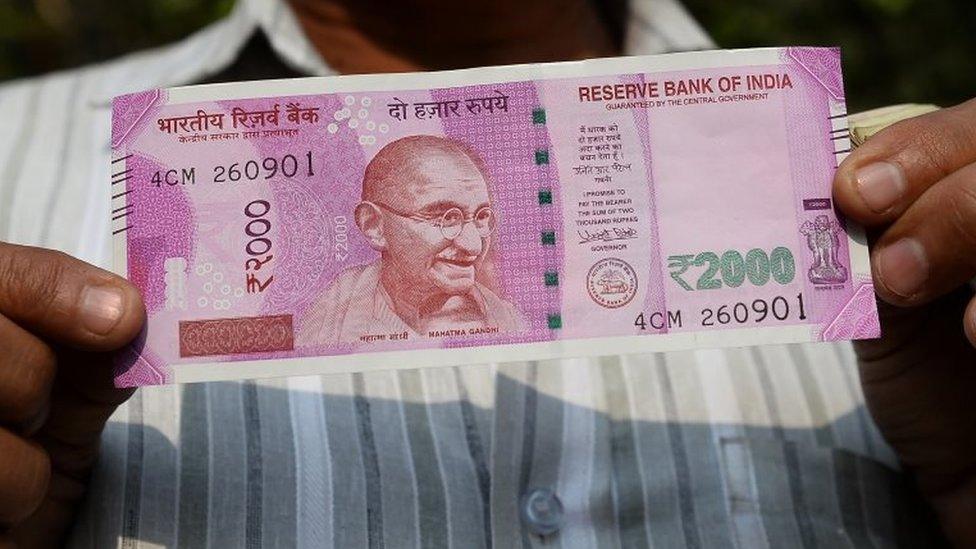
<point x="59" y="318"/>
<point x="914" y="185"/>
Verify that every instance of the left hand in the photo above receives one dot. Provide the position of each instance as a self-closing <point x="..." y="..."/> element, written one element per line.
<point x="913" y="186"/>
<point x="59" y="320"/>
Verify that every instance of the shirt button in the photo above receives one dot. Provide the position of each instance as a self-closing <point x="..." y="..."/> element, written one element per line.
<point x="542" y="512"/>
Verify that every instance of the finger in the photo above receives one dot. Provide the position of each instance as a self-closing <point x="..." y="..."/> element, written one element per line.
<point x="66" y="300"/>
<point x="24" y="476"/>
<point x="71" y="434"/>
<point x="90" y="376"/>
<point x="931" y="249"/>
<point x="885" y="175"/>
<point x="906" y="342"/>
<point x="956" y="510"/>
<point x="82" y="400"/>
<point x="27" y="368"/>
<point x="969" y="322"/>
<point x="915" y="377"/>
<point x="47" y="526"/>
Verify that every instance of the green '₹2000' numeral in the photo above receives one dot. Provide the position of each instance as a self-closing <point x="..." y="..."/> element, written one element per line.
<point x="732" y="269"/>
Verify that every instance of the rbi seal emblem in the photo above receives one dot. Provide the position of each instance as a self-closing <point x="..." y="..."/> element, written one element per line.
<point x="611" y="283"/>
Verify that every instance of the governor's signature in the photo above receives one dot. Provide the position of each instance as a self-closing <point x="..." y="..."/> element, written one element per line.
<point x="607" y="235"/>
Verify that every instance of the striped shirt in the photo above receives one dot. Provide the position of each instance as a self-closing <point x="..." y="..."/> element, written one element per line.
<point x="761" y="447"/>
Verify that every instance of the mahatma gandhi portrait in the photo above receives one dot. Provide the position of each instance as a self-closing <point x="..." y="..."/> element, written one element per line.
<point x="426" y="208"/>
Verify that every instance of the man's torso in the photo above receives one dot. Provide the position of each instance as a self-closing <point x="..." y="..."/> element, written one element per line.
<point x="745" y="447"/>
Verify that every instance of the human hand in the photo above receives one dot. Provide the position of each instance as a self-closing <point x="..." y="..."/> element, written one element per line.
<point x="58" y="318"/>
<point x="913" y="186"/>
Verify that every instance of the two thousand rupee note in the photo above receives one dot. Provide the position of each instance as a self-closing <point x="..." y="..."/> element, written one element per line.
<point x="619" y="205"/>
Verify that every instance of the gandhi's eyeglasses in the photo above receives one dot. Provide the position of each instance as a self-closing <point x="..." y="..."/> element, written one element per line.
<point x="452" y="221"/>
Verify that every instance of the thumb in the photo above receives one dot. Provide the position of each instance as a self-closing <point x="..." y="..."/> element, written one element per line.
<point x="66" y="300"/>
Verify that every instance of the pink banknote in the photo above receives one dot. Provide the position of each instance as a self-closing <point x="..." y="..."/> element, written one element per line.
<point x="508" y="213"/>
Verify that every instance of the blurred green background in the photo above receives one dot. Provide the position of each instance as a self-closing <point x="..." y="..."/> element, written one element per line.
<point x="894" y="50"/>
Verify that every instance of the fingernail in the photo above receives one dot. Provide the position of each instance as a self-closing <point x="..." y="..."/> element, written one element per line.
<point x="880" y="185"/>
<point x="101" y="308"/>
<point x="902" y="267"/>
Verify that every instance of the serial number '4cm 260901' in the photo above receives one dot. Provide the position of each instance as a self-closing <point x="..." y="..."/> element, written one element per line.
<point x="288" y="166"/>
<point x="778" y="308"/>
